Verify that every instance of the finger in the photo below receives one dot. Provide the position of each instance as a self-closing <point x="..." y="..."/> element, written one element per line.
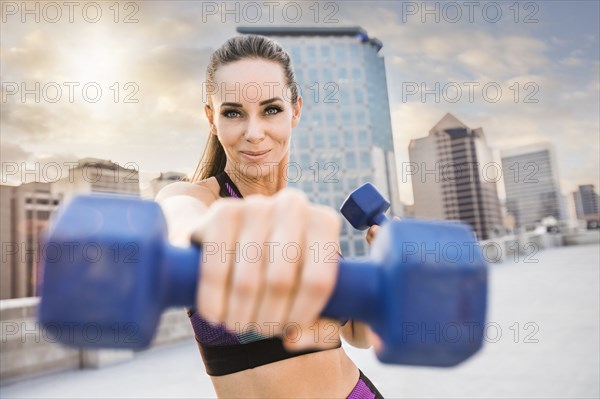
<point x="320" y="266"/>
<point x="215" y="268"/>
<point x="284" y="260"/>
<point x="371" y="233"/>
<point x="247" y="276"/>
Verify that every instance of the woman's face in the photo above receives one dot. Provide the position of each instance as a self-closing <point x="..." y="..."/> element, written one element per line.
<point x="253" y="115"/>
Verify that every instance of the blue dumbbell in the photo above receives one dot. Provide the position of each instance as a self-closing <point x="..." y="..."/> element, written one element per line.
<point x="365" y="207"/>
<point x="112" y="272"/>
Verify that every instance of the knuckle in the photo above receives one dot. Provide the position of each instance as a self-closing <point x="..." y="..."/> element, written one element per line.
<point x="316" y="284"/>
<point x="279" y="283"/>
<point x="244" y="288"/>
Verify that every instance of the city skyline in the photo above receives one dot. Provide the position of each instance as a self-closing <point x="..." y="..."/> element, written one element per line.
<point x="557" y="56"/>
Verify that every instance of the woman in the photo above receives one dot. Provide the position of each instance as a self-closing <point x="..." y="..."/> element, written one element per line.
<point x="249" y="276"/>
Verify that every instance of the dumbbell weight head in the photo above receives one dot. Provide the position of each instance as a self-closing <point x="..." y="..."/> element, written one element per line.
<point x="365" y="207"/>
<point x="108" y="272"/>
<point x="423" y="290"/>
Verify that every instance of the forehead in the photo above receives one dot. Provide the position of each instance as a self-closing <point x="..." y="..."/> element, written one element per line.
<point x="249" y="81"/>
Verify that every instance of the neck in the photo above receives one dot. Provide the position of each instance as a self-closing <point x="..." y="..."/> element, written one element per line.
<point x="268" y="183"/>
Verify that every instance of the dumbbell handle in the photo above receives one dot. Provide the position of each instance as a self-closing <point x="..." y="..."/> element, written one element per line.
<point x="354" y="295"/>
<point x="380" y="219"/>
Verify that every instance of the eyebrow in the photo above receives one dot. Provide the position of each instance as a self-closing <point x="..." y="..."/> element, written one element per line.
<point x="261" y="103"/>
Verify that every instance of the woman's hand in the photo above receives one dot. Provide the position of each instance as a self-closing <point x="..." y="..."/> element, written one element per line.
<point x="269" y="263"/>
<point x="372" y="232"/>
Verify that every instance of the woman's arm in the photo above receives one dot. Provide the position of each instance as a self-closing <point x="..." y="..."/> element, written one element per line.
<point x="183" y="205"/>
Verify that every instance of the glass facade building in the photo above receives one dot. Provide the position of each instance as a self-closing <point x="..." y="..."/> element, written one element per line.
<point x="344" y="138"/>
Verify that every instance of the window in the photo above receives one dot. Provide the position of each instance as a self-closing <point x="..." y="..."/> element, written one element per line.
<point x="296" y="54"/>
<point x="356" y="75"/>
<point x="319" y="140"/>
<point x="349" y="138"/>
<point x="334" y="139"/>
<point x="359" y="248"/>
<point x="365" y="160"/>
<point x="354" y="53"/>
<point x="340" y="53"/>
<point x="363" y="138"/>
<point x="325" y="54"/>
<point x="347" y="116"/>
<point x="344" y="95"/>
<point x="311" y="55"/>
<point x="313" y="76"/>
<point x="361" y="117"/>
<point x="303" y="139"/>
<point x="350" y="160"/>
<point x="307" y="185"/>
<point x="305" y="160"/>
<point x="358" y="96"/>
<point x="330" y="118"/>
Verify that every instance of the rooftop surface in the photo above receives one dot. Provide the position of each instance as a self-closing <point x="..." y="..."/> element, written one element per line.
<point x="556" y="355"/>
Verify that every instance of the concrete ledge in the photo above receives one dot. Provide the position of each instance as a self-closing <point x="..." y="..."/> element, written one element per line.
<point x="26" y="350"/>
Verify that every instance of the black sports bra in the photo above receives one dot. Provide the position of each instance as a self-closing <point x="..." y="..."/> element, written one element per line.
<point x="224" y="352"/>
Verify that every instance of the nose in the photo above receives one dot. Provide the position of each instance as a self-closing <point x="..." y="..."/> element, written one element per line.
<point x="255" y="132"/>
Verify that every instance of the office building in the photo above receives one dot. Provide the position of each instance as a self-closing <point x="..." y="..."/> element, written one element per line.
<point x="454" y="177"/>
<point x="26" y="211"/>
<point x="93" y="175"/>
<point x="532" y="184"/>
<point x="586" y="201"/>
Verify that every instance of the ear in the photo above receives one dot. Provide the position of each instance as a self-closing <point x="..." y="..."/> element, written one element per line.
<point x="210" y="116"/>
<point x="296" y="111"/>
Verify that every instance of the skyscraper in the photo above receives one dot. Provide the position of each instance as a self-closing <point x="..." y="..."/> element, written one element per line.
<point x="454" y="178"/>
<point x="586" y="201"/>
<point x="532" y="184"/>
<point x="345" y="136"/>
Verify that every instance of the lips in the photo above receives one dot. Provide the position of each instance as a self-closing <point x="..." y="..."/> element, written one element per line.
<point x="255" y="153"/>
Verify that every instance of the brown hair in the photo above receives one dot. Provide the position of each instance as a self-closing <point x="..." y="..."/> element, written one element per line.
<point x="213" y="158"/>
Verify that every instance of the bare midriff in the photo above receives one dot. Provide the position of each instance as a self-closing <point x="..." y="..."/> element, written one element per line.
<point x="330" y="373"/>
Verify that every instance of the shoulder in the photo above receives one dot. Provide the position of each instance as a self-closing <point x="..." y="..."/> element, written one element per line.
<point x="206" y="191"/>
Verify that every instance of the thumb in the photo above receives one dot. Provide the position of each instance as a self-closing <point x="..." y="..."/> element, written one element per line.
<point x="371" y="233"/>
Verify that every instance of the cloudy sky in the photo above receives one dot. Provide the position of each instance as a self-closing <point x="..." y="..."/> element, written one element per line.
<point x="148" y="60"/>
